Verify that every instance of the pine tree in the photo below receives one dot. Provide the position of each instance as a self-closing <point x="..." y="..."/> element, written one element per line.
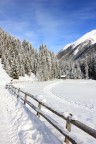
<point x="14" y="71"/>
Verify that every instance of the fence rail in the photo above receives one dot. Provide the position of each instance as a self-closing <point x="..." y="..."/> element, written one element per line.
<point x="21" y="81"/>
<point x="69" y="120"/>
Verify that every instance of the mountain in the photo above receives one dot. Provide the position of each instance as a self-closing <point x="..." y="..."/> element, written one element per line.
<point x="83" y="46"/>
<point x="19" y="58"/>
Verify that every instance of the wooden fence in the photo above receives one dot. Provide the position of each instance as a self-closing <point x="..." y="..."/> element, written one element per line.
<point x="69" y="121"/>
<point x="21" y="81"/>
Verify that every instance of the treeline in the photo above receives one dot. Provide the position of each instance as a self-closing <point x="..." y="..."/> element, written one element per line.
<point x="83" y="68"/>
<point x="20" y="58"/>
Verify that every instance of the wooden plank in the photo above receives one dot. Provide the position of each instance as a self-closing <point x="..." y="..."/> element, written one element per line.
<point x="39" y="107"/>
<point x="25" y="99"/>
<point x="68" y="127"/>
<point x="18" y="92"/>
<point x="85" y="128"/>
<point x="64" y="133"/>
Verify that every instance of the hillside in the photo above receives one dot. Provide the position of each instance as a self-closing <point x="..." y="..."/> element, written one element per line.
<point x="83" y="46"/>
<point x="4" y="78"/>
<point x="77" y="60"/>
<point x="19" y="58"/>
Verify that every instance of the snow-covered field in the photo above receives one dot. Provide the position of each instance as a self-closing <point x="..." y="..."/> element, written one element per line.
<point x="75" y="96"/>
<point x="18" y="125"/>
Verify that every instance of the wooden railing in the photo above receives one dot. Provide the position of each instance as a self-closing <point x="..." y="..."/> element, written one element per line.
<point x="67" y="133"/>
<point x="21" y="81"/>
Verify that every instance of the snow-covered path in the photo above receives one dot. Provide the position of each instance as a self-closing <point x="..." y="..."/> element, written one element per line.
<point x="8" y="133"/>
<point x="18" y="125"/>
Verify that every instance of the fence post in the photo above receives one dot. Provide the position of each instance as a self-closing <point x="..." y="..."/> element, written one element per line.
<point x="39" y="106"/>
<point x="68" y="127"/>
<point x="25" y="99"/>
<point x="14" y="90"/>
<point x="18" y="93"/>
<point x="6" y="86"/>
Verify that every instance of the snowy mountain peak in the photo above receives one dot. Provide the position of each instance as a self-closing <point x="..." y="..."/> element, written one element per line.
<point x="93" y="32"/>
<point x="88" y="36"/>
<point x="79" y="46"/>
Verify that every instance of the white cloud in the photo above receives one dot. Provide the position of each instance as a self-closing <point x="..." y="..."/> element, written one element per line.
<point x="21" y="30"/>
<point x="14" y="25"/>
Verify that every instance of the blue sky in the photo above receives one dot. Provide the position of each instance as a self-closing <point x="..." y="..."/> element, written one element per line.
<point x="51" y="22"/>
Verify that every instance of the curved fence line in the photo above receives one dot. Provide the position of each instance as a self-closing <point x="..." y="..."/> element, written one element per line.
<point x="69" y="120"/>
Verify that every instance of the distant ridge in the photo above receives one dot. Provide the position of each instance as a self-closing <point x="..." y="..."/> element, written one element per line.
<point x="77" y="49"/>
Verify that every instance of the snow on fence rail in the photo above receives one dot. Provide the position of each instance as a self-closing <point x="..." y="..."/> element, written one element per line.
<point x="21" y="81"/>
<point x="68" y="136"/>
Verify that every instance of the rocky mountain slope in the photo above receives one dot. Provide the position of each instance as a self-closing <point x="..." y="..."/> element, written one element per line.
<point x="81" y="47"/>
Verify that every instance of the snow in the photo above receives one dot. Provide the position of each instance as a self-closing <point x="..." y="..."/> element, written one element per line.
<point x="68" y="96"/>
<point x="88" y="36"/>
<point x="30" y="78"/>
<point x="76" y="51"/>
<point x="66" y="46"/>
<point x="19" y="125"/>
<point x="26" y="79"/>
<point x="4" y="78"/>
